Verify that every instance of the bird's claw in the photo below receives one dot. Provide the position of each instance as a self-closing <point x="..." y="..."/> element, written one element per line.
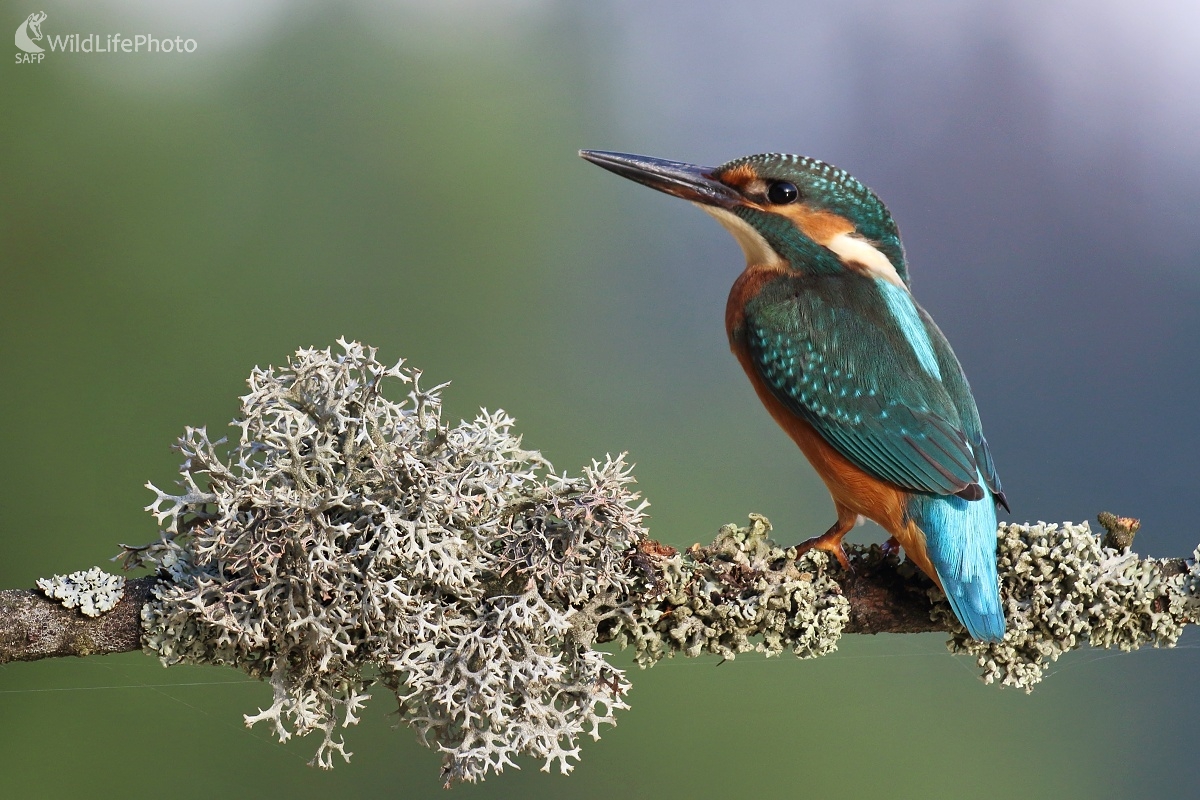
<point x="829" y="544"/>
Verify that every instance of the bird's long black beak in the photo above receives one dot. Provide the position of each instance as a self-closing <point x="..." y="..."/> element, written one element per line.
<point x="689" y="181"/>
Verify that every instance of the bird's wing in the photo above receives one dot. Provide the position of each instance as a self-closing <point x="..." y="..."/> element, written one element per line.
<point x="833" y="351"/>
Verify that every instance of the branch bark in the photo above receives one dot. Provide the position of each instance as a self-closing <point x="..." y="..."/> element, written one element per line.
<point x="33" y="627"/>
<point x="884" y="595"/>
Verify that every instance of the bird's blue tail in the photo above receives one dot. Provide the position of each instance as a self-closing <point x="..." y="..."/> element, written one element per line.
<point x="960" y="538"/>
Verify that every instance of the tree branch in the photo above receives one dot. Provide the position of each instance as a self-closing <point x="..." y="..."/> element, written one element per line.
<point x="347" y="540"/>
<point x="883" y="595"/>
<point x="33" y="627"/>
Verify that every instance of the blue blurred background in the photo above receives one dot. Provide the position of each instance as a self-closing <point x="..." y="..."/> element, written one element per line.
<point x="405" y="174"/>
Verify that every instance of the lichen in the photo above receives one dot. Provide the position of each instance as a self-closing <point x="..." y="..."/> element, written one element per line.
<point x="93" y="591"/>
<point x="348" y="539"/>
<point x="1063" y="589"/>
<point x="741" y="593"/>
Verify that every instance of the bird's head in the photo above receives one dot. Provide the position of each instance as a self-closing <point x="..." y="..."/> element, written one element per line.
<point x="785" y="211"/>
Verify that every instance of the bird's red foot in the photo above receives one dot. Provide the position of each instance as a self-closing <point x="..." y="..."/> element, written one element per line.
<point x="830" y="542"/>
<point x="890" y="548"/>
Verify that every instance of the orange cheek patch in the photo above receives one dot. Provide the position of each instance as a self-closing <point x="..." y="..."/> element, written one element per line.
<point x="820" y="226"/>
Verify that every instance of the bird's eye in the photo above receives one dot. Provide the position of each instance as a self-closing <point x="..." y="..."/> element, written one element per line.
<point x="781" y="193"/>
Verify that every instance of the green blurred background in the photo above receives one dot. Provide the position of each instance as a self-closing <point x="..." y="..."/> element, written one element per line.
<point x="405" y="174"/>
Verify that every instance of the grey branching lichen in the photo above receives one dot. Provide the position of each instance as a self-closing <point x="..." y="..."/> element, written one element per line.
<point x="1063" y="589"/>
<point x="93" y="592"/>
<point x="347" y="539"/>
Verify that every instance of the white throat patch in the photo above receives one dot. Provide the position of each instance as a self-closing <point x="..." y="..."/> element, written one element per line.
<point x="757" y="251"/>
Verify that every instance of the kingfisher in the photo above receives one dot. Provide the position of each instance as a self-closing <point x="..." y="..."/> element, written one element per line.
<point x="824" y="324"/>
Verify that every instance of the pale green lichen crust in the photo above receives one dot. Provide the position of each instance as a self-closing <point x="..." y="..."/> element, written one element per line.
<point x="1062" y="589"/>
<point x="741" y="593"/>
<point x="348" y="539"/>
<point x="93" y="591"/>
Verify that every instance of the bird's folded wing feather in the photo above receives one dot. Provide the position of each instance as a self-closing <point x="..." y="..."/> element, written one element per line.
<point x="832" y="353"/>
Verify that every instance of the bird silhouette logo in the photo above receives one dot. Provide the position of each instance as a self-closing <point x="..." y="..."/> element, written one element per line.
<point x="30" y="32"/>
